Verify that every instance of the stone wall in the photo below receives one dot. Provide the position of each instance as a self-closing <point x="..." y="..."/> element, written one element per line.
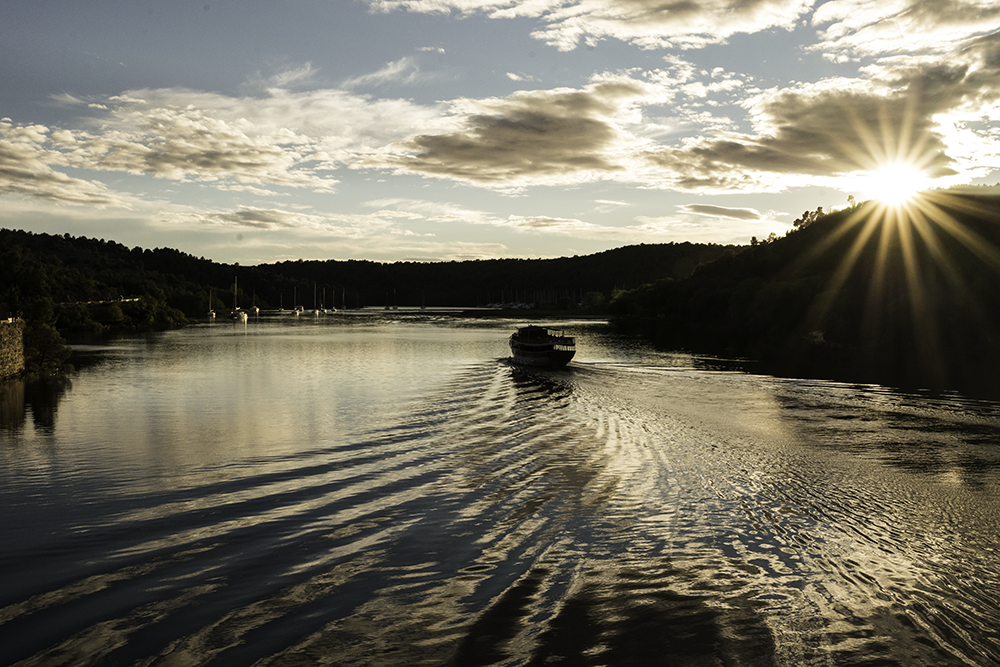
<point x="11" y="348"/>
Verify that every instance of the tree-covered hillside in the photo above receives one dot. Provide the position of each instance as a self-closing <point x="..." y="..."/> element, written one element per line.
<point x="551" y="283"/>
<point x="64" y="283"/>
<point x="908" y="296"/>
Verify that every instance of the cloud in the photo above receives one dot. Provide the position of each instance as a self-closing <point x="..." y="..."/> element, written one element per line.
<point x="259" y="218"/>
<point x="433" y="211"/>
<point x="250" y="218"/>
<point x="721" y="211"/>
<point x="190" y="144"/>
<point x="646" y="23"/>
<point x="558" y="225"/>
<point x="285" y="78"/>
<point x="323" y="124"/>
<point x="26" y="171"/>
<point x="533" y="137"/>
<point x="251" y="143"/>
<point x="166" y="134"/>
<point x="404" y="70"/>
<point x="857" y="28"/>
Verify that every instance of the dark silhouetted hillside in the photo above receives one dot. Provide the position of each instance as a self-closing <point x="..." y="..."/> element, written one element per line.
<point x="863" y="294"/>
<point x="93" y="283"/>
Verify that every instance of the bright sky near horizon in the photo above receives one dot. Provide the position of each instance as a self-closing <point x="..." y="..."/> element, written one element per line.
<point x="255" y="131"/>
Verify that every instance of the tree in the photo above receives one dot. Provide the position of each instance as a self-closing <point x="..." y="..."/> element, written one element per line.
<point x="45" y="351"/>
<point x="810" y="217"/>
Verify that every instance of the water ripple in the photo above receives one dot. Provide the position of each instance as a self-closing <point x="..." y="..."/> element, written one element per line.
<point x="595" y="516"/>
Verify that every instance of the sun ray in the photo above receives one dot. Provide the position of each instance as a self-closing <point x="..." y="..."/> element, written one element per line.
<point x="845" y="268"/>
<point x="912" y="267"/>
<point x="907" y="257"/>
<point x="925" y="333"/>
<point x="933" y="206"/>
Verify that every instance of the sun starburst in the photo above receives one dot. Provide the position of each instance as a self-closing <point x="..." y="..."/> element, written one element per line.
<point x="894" y="184"/>
<point x="906" y="287"/>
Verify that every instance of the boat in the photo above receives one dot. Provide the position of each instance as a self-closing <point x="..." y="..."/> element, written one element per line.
<point x="237" y="315"/>
<point x="539" y="346"/>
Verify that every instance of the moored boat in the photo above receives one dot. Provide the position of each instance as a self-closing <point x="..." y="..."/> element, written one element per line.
<point x="237" y="315"/>
<point x="538" y="346"/>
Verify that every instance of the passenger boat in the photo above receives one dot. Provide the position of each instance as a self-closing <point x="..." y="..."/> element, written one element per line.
<point x="538" y="346"/>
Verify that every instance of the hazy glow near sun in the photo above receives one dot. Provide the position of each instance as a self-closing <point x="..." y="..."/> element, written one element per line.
<point x="894" y="184"/>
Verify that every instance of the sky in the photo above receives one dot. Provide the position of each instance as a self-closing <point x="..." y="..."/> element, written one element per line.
<point x="257" y="131"/>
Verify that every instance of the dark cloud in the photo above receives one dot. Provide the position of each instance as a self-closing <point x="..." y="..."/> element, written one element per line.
<point x="246" y="216"/>
<point x="546" y="136"/>
<point x="722" y="211"/>
<point x="511" y="147"/>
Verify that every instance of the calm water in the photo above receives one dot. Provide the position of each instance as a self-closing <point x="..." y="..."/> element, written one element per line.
<point x="358" y="490"/>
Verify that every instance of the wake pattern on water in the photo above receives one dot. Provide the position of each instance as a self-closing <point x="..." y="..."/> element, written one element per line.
<point x="510" y="517"/>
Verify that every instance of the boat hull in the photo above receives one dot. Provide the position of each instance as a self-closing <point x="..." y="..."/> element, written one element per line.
<point x="546" y="359"/>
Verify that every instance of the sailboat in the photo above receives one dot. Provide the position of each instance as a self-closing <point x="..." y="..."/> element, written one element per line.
<point x="237" y="315"/>
<point x="211" y="312"/>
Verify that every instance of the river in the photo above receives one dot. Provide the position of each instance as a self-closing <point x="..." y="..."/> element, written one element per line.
<point x="386" y="489"/>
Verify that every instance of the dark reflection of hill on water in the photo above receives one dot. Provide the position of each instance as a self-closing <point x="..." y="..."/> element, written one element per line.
<point x="610" y="514"/>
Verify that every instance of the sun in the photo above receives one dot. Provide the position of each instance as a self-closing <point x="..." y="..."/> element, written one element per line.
<point x="894" y="184"/>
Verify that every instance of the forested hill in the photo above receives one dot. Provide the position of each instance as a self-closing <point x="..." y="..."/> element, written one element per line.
<point x="550" y="283"/>
<point x="908" y="297"/>
<point x="88" y="283"/>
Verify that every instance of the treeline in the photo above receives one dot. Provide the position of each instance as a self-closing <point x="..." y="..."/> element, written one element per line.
<point x="908" y="297"/>
<point x="61" y="283"/>
<point x="563" y="283"/>
<point x="173" y="286"/>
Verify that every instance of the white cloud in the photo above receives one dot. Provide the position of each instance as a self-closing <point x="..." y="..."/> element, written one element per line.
<point x="404" y="70"/>
<point x="647" y="23"/>
<point x="248" y="143"/>
<point x="250" y="218"/>
<point x="26" y="170"/>
<point x="861" y="27"/>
